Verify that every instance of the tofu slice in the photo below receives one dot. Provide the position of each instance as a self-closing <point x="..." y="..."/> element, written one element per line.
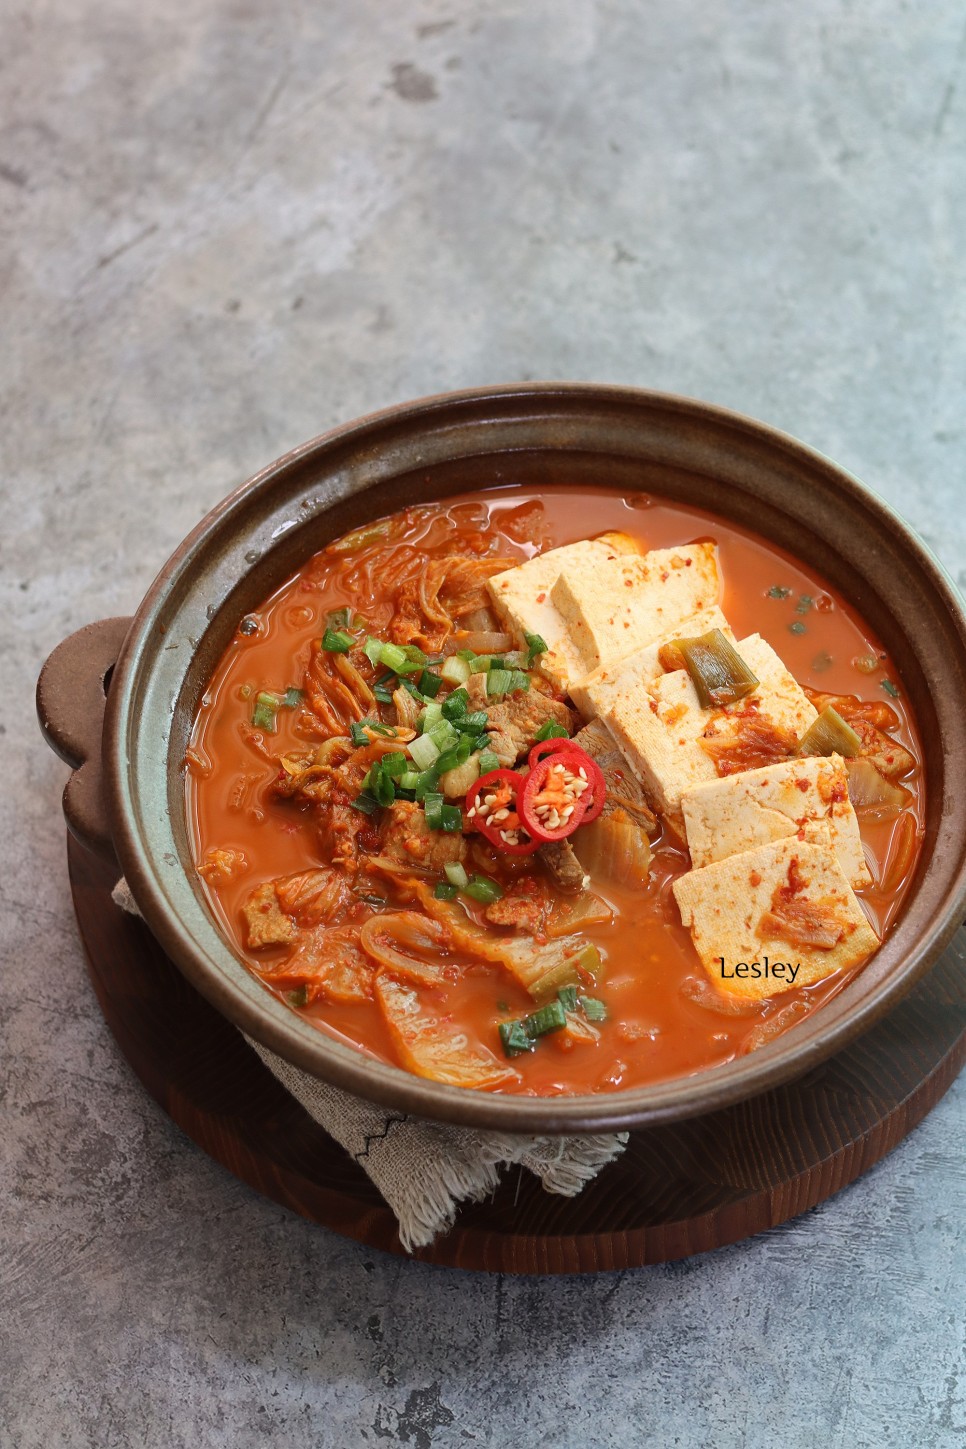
<point x="668" y="739"/>
<point x="613" y="608"/>
<point x="522" y="598"/>
<point x="762" y="906"/>
<point x="775" y="802"/>
<point x="598" y="691"/>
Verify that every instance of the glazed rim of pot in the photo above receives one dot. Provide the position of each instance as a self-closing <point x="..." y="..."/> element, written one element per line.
<point x="530" y="435"/>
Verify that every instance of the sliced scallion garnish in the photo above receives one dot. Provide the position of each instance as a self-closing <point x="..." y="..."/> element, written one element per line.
<point x="717" y="670"/>
<point x="830" y="735"/>
<point x="535" y="645"/>
<point x="265" y="712"/>
<point x="334" y="641"/>
<point x="547" y="1018"/>
<point x="550" y="731"/>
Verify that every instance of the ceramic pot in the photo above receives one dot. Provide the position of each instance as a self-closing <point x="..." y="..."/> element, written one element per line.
<point x="127" y="793"/>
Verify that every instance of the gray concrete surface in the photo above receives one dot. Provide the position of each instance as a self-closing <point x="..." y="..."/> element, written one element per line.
<point x="226" y="226"/>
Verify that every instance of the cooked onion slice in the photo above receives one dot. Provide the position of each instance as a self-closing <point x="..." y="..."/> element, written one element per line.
<point x="409" y="944"/>
<point x="870" y="791"/>
<point x="613" y="848"/>
<point x="431" y="1046"/>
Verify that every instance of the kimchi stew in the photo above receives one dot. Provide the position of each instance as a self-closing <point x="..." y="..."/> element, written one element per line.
<point x="555" y="793"/>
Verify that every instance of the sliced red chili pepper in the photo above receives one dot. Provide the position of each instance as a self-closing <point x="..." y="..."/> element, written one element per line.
<point x="497" y="794"/>
<point x="563" y="790"/>
<point x="549" y="747"/>
<point x="592" y="773"/>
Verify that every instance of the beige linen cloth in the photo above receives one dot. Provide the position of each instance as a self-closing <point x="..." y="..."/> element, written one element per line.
<point x="424" y="1170"/>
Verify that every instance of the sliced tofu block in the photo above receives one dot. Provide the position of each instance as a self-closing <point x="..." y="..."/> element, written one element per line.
<point x="673" y="744"/>
<point x="522" y="598"/>
<point x="779" y="916"/>
<point x="776" y="802"/>
<point x="615" y="607"/>
<point x="597" y="692"/>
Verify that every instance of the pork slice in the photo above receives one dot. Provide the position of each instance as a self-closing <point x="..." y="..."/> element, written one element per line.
<point x="565" y="870"/>
<point x="407" y="839"/>
<point x="515" y="723"/>
<point x="624" y="790"/>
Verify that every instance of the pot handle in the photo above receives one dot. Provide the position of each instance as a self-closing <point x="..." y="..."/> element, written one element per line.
<point x="71" y="693"/>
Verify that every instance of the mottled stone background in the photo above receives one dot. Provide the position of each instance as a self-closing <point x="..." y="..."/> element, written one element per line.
<point x="228" y="225"/>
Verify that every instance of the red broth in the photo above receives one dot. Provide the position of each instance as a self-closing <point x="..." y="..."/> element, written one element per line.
<point x="655" y="1028"/>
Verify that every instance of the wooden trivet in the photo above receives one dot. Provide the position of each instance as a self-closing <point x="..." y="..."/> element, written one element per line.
<point x="676" y="1190"/>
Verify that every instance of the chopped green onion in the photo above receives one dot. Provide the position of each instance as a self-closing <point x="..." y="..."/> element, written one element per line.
<point x="478" y="663"/>
<point x="430" y="684"/>
<point x="442" y="734"/>
<point x="594" y="1010"/>
<point x="481" y="888"/>
<point x="456" y="874"/>
<point x="455" y="704"/>
<point x="458" y="755"/>
<point x="778" y="591"/>
<point x="373" y="651"/>
<point x="796" y="627"/>
<point x="380" y="786"/>
<point x="444" y="891"/>
<point x="567" y="996"/>
<point x="830" y="735"/>
<point x="439" y="815"/>
<point x="408" y="780"/>
<point x="550" y="1017"/>
<point x="551" y="731"/>
<point x="370" y="900"/>
<point x="430" y="715"/>
<point x="338" y="618"/>
<point x="514" y="1038"/>
<point x="426" y="784"/>
<point x="298" y="997"/>
<point x="357" y="734"/>
<point x="518" y="680"/>
<point x="498" y="681"/>
<point x="366" y="803"/>
<point x="890" y="688"/>
<point x="292" y="698"/>
<point x="407" y="684"/>
<point x="382" y="694"/>
<point x="488" y="761"/>
<point x="473" y="723"/>
<point x="535" y="645"/>
<point x="394" y="763"/>
<point x="393" y="656"/>
<point x="424" y="751"/>
<point x="265" y="712"/>
<point x="451" y="819"/>
<point x="805" y="602"/>
<point x="717" y="670"/>
<point x="455" y="670"/>
<point x="334" y="641"/>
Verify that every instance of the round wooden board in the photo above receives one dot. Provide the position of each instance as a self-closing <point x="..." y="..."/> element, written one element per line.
<point x="676" y="1190"/>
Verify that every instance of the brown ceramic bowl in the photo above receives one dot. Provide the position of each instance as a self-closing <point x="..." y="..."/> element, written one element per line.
<point x="129" y="795"/>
